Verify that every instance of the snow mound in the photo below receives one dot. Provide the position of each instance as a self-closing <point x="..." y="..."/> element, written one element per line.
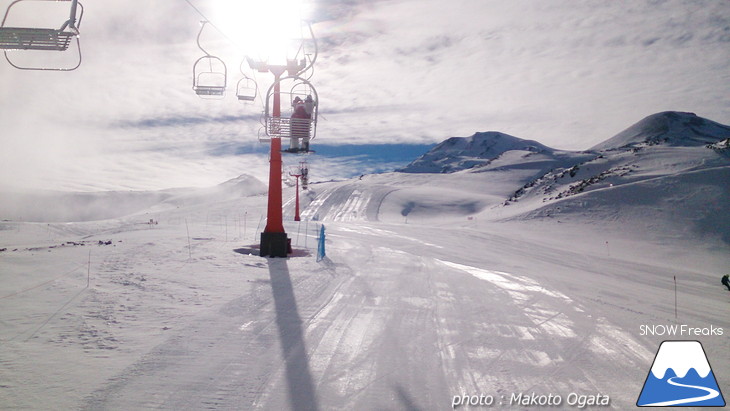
<point x="241" y="186"/>
<point x="461" y="153"/>
<point x="398" y="197"/>
<point x="669" y="128"/>
<point x="690" y="204"/>
<point x="431" y="203"/>
<point x="58" y="206"/>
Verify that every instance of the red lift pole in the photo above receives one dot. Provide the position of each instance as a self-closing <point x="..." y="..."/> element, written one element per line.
<point x="274" y="241"/>
<point x="296" y="206"/>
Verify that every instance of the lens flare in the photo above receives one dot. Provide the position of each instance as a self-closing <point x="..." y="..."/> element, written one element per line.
<point x="262" y="29"/>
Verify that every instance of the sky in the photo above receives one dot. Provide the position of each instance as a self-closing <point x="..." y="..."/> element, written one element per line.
<point x="567" y="73"/>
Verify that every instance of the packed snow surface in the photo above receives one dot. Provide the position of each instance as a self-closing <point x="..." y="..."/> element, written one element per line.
<point x="534" y="274"/>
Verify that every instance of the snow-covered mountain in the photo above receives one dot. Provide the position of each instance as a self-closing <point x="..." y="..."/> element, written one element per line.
<point x="669" y="128"/>
<point x="668" y="169"/>
<point x="459" y="153"/>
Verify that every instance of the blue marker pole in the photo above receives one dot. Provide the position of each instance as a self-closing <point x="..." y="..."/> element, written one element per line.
<point x="320" y="245"/>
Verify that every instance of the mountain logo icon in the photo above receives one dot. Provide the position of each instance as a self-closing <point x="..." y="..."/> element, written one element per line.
<point x="680" y="376"/>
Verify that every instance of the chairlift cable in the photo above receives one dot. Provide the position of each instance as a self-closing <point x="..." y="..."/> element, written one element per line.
<point x="210" y="22"/>
<point x="261" y="99"/>
<point x="311" y="61"/>
<point x="206" y="19"/>
<point x="199" y="12"/>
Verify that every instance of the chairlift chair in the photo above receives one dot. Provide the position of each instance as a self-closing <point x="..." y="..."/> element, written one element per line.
<point x="247" y="89"/>
<point x="42" y="39"/>
<point x="300" y="131"/>
<point x="210" y="74"/>
<point x="263" y="137"/>
<point x="304" y="171"/>
<point x="209" y="80"/>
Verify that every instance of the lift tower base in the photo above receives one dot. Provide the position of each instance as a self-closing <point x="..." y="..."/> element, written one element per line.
<point x="274" y="245"/>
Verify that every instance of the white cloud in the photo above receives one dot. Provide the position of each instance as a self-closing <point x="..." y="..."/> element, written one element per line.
<point x="567" y="73"/>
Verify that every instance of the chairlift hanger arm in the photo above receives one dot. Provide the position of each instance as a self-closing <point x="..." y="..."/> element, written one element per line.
<point x="72" y="17"/>
<point x="202" y="27"/>
<point x="72" y="22"/>
<point x="316" y="51"/>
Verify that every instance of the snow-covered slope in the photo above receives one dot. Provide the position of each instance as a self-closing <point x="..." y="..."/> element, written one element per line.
<point x="57" y="206"/>
<point x="667" y="179"/>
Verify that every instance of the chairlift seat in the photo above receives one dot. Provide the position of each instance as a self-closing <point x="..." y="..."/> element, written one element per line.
<point x="210" y="90"/>
<point x="28" y="38"/>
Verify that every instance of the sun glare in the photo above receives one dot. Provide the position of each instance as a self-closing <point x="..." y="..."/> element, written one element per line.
<point x="263" y="29"/>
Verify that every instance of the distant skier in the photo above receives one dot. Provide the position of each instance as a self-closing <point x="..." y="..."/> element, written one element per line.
<point x="726" y="281"/>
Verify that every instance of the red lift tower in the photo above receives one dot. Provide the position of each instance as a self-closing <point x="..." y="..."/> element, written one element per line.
<point x="274" y="240"/>
<point x="297" y="173"/>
